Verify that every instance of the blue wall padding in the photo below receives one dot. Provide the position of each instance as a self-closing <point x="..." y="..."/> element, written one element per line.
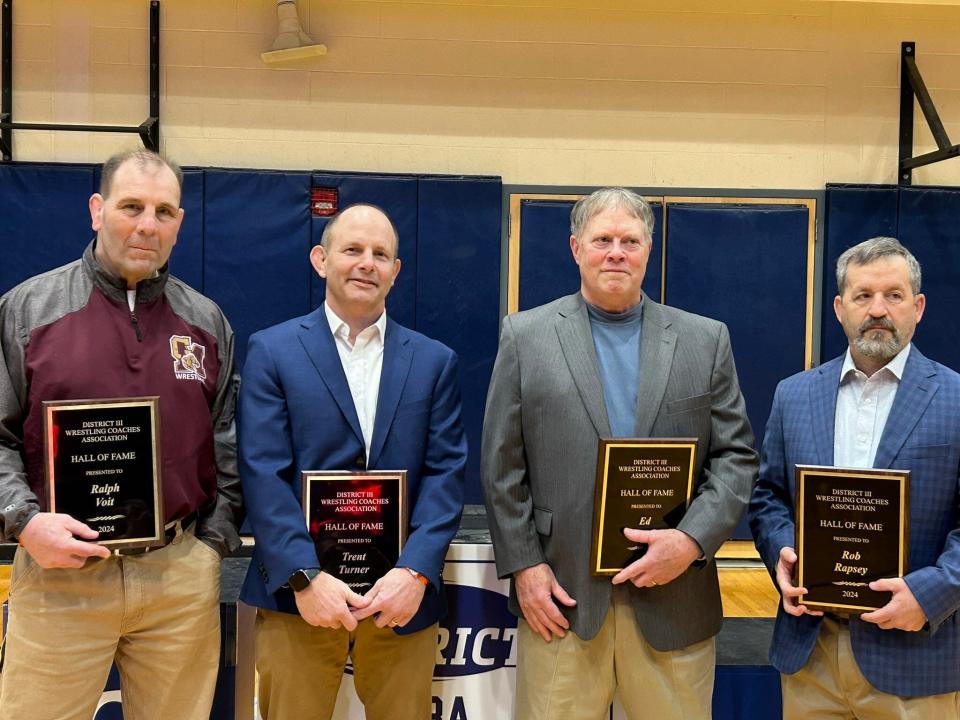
<point x="547" y="268"/>
<point x="747" y="266"/>
<point x="397" y="196"/>
<point x="186" y="262"/>
<point x="854" y="213"/>
<point x="44" y="221"/>
<point x="256" y="248"/>
<point x="458" y="277"/>
<point x="930" y="228"/>
<point x="747" y="691"/>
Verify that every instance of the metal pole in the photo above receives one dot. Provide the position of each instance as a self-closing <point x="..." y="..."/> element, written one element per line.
<point x="904" y="174"/>
<point x="155" y="75"/>
<point x="6" y="101"/>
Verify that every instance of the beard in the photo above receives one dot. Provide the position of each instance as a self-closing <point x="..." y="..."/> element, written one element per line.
<point x="874" y="343"/>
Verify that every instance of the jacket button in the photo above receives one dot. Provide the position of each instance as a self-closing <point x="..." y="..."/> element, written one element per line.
<point x="361" y="462"/>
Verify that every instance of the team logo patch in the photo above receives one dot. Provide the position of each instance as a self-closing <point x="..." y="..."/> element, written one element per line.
<point x="188" y="358"/>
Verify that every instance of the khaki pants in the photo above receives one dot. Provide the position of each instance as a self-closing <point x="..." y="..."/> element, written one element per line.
<point x="301" y="666"/>
<point x="157" y="615"/>
<point x="574" y="679"/>
<point x="831" y="686"/>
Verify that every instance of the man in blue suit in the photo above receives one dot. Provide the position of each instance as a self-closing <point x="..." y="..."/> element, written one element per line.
<point x="883" y="405"/>
<point x="346" y="388"/>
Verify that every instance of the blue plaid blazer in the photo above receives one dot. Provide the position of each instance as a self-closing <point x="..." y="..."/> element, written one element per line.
<point x="922" y="434"/>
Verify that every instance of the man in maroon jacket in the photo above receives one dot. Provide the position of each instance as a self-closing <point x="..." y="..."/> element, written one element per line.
<point x="114" y="324"/>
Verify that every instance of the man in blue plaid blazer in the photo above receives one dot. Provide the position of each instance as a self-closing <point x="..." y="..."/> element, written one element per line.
<point x="883" y="405"/>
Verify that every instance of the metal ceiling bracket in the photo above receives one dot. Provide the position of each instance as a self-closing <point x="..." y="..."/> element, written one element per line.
<point x="912" y="85"/>
<point x="148" y="130"/>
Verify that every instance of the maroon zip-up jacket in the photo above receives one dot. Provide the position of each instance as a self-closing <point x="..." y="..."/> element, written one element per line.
<point x="69" y="334"/>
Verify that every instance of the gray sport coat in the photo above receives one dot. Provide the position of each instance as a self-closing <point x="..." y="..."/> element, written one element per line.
<point x="545" y="412"/>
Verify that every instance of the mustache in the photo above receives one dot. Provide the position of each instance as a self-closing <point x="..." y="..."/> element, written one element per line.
<point x="882" y="323"/>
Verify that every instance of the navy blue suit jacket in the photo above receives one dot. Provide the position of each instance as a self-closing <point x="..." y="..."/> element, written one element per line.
<point x="922" y="435"/>
<point x="296" y="413"/>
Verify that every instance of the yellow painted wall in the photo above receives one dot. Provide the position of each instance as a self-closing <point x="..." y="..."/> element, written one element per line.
<point x="755" y="93"/>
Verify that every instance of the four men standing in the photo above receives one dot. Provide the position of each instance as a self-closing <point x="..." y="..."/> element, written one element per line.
<point x="346" y="388"/>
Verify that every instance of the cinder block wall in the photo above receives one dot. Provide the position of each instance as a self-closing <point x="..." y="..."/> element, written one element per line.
<point x="749" y="93"/>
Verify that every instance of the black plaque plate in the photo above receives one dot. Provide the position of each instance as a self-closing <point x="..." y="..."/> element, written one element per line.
<point x="641" y="483"/>
<point x="852" y="528"/>
<point x="102" y="466"/>
<point x="358" y="522"/>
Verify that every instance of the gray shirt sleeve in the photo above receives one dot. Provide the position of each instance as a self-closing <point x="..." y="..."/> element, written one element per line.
<point x="18" y="504"/>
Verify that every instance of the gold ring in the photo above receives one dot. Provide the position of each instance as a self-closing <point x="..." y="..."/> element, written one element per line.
<point x="393" y="623"/>
<point x="653" y="583"/>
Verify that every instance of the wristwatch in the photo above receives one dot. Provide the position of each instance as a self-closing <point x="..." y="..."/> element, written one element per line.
<point x="301" y="579"/>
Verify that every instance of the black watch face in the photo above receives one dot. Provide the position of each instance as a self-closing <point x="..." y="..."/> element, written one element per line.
<point x="300" y="580"/>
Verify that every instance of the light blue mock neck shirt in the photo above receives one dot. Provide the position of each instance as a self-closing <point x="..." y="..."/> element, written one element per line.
<point x="616" y="337"/>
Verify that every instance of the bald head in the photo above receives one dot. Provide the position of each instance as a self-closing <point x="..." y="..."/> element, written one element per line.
<point x="366" y="215"/>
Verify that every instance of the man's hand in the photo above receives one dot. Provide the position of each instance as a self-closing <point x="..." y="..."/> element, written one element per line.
<point x="788" y="591"/>
<point x="536" y="589"/>
<point x="51" y="540"/>
<point x="903" y="612"/>
<point x="669" y="554"/>
<point x="326" y="602"/>
<point x="394" y="599"/>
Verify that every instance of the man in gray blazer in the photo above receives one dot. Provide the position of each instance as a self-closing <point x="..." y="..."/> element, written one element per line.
<point x="610" y="362"/>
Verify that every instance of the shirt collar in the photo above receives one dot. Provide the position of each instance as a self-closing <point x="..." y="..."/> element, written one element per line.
<point x="630" y="315"/>
<point x="895" y="366"/>
<point x="114" y="287"/>
<point x="340" y="328"/>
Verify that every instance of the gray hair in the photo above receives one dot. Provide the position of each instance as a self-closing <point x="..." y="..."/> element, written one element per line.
<point x="610" y="198"/>
<point x="874" y="249"/>
<point x="143" y="158"/>
<point x="327" y="237"/>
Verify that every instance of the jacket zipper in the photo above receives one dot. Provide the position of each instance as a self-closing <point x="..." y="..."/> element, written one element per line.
<point x="136" y="326"/>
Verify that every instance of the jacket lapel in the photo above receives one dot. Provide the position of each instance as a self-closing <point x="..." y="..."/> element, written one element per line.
<point x="917" y="388"/>
<point x="320" y="346"/>
<point x="576" y="343"/>
<point x="397" y="358"/>
<point x="823" y="408"/>
<point x="657" y="345"/>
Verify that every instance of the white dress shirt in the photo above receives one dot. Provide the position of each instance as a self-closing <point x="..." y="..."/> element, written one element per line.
<point x="362" y="362"/>
<point x="863" y="405"/>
